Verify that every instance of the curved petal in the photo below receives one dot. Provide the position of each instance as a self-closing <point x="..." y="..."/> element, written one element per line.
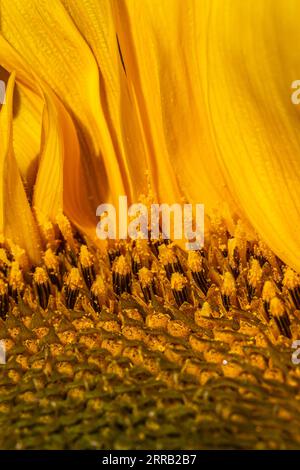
<point x="16" y="219"/>
<point x="27" y="126"/>
<point x="158" y="41"/>
<point x="62" y="184"/>
<point x="48" y="190"/>
<point x="220" y="109"/>
<point x="254" y="122"/>
<point x="52" y="48"/>
<point x="94" y="19"/>
<point x="27" y="121"/>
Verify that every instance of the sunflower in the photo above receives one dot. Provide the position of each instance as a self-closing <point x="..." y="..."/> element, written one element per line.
<point x="139" y="344"/>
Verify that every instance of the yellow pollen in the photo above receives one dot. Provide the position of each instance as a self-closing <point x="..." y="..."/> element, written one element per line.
<point x="86" y="259"/>
<point x="194" y="261"/>
<point x="264" y="250"/>
<point x="145" y="277"/>
<point x="73" y="279"/>
<point x="141" y="252"/>
<point x="178" y="281"/>
<point x="48" y="231"/>
<point x="136" y="256"/>
<point x="65" y="228"/>
<point x="291" y="279"/>
<point x="166" y="255"/>
<point x="232" y="245"/>
<point x="228" y="287"/>
<point x="3" y="257"/>
<point x="98" y="287"/>
<point x="269" y="291"/>
<point x="16" y="277"/>
<point x="51" y="260"/>
<point x="276" y="307"/>
<point x="40" y="276"/>
<point x="255" y="273"/>
<point x="121" y="266"/>
<point x="19" y="254"/>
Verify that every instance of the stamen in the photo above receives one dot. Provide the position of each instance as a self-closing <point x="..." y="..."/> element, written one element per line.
<point x="79" y="237"/>
<point x="52" y="266"/>
<point x="121" y="276"/>
<point x="19" y="255"/>
<point x="3" y="300"/>
<point x="194" y="261"/>
<point x="15" y="281"/>
<point x="143" y="247"/>
<point x="170" y="261"/>
<point x="228" y="289"/>
<point x="268" y="292"/>
<point x="249" y="251"/>
<point x="72" y="285"/>
<point x="42" y="286"/>
<point x="66" y="229"/>
<point x="4" y="262"/>
<point x="234" y="256"/>
<point x="156" y="244"/>
<point x="113" y="253"/>
<point x="224" y="250"/>
<point x="254" y="278"/>
<point x="87" y="266"/>
<point x="147" y="284"/>
<point x="48" y="232"/>
<point x="136" y="261"/>
<point x="258" y="254"/>
<point x="281" y="317"/>
<point x="179" y="288"/>
<point x="140" y="256"/>
<point x="196" y="266"/>
<point x="98" y="291"/>
<point x="291" y="281"/>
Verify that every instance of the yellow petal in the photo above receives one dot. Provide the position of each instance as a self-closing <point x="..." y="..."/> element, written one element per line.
<point x="251" y="60"/>
<point x="95" y="21"/>
<point x="158" y="41"/>
<point x="27" y="125"/>
<point x="45" y="37"/>
<point x="48" y="191"/>
<point x="143" y="83"/>
<point x="62" y="184"/>
<point x="220" y="108"/>
<point x="16" y="219"/>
